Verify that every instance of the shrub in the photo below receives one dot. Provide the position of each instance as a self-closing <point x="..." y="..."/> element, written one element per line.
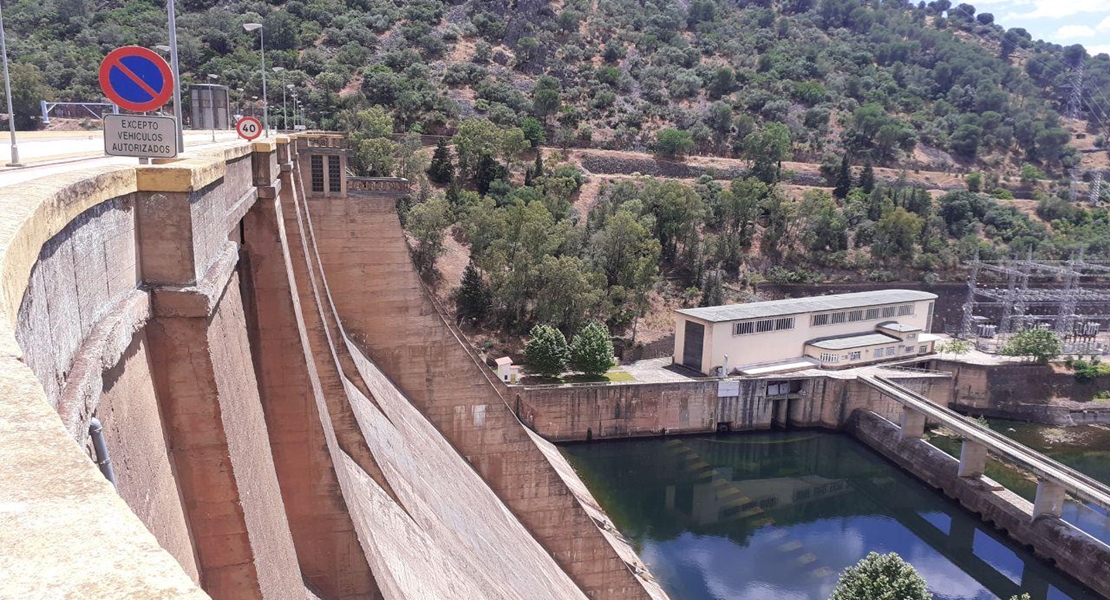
<point x="1041" y="345"/>
<point x="591" y="351"/>
<point x="546" y="352"/>
<point x="881" y="576"/>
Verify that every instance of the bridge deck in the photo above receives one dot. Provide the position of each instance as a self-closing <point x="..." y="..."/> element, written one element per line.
<point x="1082" y="486"/>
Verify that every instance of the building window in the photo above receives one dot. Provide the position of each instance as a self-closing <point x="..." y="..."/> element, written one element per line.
<point x="829" y="358"/>
<point x="764" y="326"/>
<point x="878" y="352"/>
<point x="905" y="310"/>
<point x="923" y="349"/>
<point x="889" y="311"/>
<point x="855" y="315"/>
<point x="335" y="181"/>
<point x="819" y="320"/>
<point x="911" y="337"/>
<point x="839" y="317"/>
<point x="854" y="356"/>
<point x="890" y="351"/>
<point x="784" y="323"/>
<point x="872" y="314"/>
<point x="744" y="328"/>
<point x="317" y="173"/>
<point x="908" y="349"/>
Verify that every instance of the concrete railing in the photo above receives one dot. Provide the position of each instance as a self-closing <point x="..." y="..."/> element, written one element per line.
<point x="1053" y="477"/>
<point x="377" y="184"/>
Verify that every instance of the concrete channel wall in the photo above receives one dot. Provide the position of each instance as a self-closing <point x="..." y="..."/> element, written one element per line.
<point x="581" y="412"/>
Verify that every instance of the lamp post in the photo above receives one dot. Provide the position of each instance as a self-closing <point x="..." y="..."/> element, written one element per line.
<point x="177" y="109"/>
<point x="284" y="108"/>
<point x="239" y="101"/>
<point x="212" y="95"/>
<point x="262" y="47"/>
<point x="8" y="90"/>
<point x="289" y="87"/>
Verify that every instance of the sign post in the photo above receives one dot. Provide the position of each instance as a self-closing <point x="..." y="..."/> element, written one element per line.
<point x="248" y="128"/>
<point x="139" y="80"/>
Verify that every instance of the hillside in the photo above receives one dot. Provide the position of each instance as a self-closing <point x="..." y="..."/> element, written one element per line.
<point x="687" y="149"/>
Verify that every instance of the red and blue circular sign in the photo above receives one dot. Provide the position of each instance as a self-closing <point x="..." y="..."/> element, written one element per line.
<point x="136" y="78"/>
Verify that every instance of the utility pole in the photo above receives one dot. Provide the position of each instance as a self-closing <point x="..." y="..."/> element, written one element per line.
<point x="8" y="90"/>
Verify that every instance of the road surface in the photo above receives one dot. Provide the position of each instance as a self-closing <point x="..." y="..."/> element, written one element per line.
<point x="46" y="153"/>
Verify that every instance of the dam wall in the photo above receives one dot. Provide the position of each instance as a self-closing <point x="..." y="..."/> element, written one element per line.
<point x="264" y="444"/>
<point x="611" y="411"/>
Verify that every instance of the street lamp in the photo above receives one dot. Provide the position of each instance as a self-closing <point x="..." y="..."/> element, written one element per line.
<point x="284" y="107"/>
<point x="290" y="87"/>
<point x="212" y="95"/>
<point x="8" y="90"/>
<point x="172" y="26"/>
<point x="262" y="47"/>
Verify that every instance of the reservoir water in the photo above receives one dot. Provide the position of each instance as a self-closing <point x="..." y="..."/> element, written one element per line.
<point x="778" y="515"/>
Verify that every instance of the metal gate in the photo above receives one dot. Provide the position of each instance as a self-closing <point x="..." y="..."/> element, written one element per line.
<point x="692" y="345"/>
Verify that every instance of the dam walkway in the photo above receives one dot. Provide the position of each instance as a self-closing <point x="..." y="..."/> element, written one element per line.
<point x="1053" y="478"/>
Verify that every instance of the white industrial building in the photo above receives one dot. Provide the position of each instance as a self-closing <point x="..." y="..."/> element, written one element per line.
<point x="835" y="331"/>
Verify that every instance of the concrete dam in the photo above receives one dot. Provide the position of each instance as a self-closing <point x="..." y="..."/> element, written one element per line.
<point x="239" y="338"/>
<point x="286" y="413"/>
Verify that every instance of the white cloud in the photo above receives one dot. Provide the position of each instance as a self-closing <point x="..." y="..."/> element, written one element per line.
<point x="1104" y="25"/>
<point x="1068" y="32"/>
<point x="1057" y="9"/>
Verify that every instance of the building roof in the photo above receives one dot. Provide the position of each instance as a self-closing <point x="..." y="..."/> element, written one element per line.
<point x="504" y="360"/>
<point x="848" y="342"/>
<point x="899" y="327"/>
<point x="792" y="306"/>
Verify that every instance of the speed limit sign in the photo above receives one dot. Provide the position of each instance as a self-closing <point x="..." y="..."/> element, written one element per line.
<point x="248" y="128"/>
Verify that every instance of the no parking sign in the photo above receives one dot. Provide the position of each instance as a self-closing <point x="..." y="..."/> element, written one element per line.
<point x="136" y="78"/>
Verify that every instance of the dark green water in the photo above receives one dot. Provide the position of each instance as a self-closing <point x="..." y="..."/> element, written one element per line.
<point x="777" y="516"/>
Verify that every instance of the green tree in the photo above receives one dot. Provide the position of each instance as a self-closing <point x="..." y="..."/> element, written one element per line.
<point x="426" y="222"/>
<point x="825" y="229"/>
<point x="881" y="577"/>
<point x="546" y="352"/>
<point x="867" y="178"/>
<point x="473" y="299"/>
<point x="974" y="182"/>
<point x="672" y="143"/>
<point x="843" y="179"/>
<point x="375" y="157"/>
<point x="591" y="351"/>
<point x="474" y="138"/>
<point x="678" y="210"/>
<point x="767" y="149"/>
<point x="895" y="234"/>
<point x="568" y="292"/>
<point x="954" y="347"/>
<point x="546" y="102"/>
<point x="441" y="170"/>
<point x="29" y="88"/>
<point x="1041" y="345"/>
<point x="533" y="132"/>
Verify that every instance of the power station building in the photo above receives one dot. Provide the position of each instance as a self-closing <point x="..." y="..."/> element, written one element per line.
<point x="835" y="331"/>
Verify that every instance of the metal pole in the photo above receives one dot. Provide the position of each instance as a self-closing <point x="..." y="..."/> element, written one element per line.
<point x="171" y="10"/>
<point x="284" y="106"/>
<point x="265" y="104"/>
<point x="8" y="92"/>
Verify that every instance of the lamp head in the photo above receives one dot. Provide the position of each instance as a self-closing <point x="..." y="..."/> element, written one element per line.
<point x="252" y="26"/>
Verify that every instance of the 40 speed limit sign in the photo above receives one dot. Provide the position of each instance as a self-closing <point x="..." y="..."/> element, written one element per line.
<point x="248" y="128"/>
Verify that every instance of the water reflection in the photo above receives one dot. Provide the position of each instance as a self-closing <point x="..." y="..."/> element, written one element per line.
<point x="779" y="515"/>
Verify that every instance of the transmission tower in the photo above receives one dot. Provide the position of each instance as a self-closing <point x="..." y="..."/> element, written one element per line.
<point x="1075" y="102"/>
<point x="1096" y="188"/>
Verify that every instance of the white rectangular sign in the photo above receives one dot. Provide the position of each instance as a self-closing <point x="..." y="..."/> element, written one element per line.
<point x="728" y="389"/>
<point x="140" y="135"/>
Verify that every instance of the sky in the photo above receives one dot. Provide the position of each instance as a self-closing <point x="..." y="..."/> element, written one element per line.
<point x="1062" y="22"/>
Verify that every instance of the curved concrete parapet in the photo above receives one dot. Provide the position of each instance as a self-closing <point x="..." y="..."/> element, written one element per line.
<point x="64" y="531"/>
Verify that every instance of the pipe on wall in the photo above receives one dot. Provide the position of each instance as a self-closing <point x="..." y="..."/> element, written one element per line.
<point x="100" y="447"/>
